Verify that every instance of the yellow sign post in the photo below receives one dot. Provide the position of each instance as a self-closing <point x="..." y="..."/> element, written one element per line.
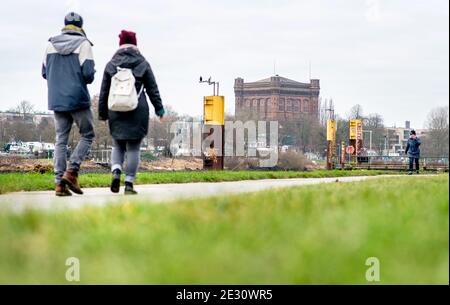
<point x="214" y="123"/>
<point x="214" y="120"/>
<point x="356" y="140"/>
<point x="331" y="142"/>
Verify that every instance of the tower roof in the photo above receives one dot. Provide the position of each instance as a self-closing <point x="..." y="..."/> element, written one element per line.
<point x="281" y="79"/>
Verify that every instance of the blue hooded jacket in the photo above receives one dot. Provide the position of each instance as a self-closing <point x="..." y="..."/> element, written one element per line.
<point x="413" y="148"/>
<point x="68" y="67"/>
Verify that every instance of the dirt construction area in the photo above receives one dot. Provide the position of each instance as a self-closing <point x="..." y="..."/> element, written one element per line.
<point x="9" y="164"/>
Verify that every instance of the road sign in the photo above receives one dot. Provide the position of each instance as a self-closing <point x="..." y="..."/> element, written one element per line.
<point x="350" y="150"/>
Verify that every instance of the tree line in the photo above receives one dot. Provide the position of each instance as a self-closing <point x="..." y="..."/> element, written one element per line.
<point x="306" y="135"/>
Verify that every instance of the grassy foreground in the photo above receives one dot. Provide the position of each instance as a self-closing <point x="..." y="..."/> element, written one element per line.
<point x="309" y="234"/>
<point x="13" y="182"/>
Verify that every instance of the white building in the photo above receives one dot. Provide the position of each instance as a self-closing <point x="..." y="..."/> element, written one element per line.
<point x="397" y="138"/>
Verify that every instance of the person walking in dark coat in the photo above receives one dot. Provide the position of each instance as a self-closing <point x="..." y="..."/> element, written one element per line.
<point x="68" y="68"/>
<point x="130" y="127"/>
<point x="413" y="151"/>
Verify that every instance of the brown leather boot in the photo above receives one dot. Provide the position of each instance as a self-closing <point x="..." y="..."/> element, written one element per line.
<point x="61" y="190"/>
<point x="70" y="178"/>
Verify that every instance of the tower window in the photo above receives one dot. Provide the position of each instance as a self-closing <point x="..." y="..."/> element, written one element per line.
<point x="289" y="106"/>
<point x="296" y="106"/>
<point x="306" y="105"/>
<point x="281" y="104"/>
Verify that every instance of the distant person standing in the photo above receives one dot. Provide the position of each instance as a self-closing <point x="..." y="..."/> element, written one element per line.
<point x="413" y="151"/>
<point x="127" y="77"/>
<point x="68" y="67"/>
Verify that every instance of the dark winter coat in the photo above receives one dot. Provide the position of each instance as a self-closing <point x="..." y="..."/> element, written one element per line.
<point x="131" y="125"/>
<point x="413" y="148"/>
<point x="68" y="67"/>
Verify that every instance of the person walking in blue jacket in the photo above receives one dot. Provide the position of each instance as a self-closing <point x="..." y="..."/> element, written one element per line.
<point x="413" y="151"/>
<point x="68" y="68"/>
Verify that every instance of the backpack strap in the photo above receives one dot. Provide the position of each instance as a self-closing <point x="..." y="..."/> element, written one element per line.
<point x="140" y="91"/>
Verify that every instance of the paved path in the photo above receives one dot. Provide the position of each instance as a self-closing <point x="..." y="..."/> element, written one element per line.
<point x="155" y="193"/>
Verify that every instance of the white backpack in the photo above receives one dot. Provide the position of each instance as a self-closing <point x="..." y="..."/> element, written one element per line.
<point x="122" y="93"/>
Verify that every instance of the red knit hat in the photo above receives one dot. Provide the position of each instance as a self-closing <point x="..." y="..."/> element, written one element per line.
<point x="127" y="37"/>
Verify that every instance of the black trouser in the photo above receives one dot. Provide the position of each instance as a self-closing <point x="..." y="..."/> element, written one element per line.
<point x="411" y="164"/>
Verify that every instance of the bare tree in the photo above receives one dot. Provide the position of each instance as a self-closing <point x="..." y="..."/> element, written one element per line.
<point x="326" y="110"/>
<point x="20" y="130"/>
<point x="342" y="130"/>
<point x="356" y="112"/>
<point x="22" y="127"/>
<point x="24" y="108"/>
<point x="103" y="137"/>
<point x="159" y="132"/>
<point x="2" y="133"/>
<point x="374" y="122"/>
<point x="436" y="140"/>
<point x="45" y="130"/>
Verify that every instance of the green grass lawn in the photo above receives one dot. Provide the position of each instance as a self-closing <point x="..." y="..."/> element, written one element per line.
<point x="13" y="182"/>
<point x="301" y="235"/>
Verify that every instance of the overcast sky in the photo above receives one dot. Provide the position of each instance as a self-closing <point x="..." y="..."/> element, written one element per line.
<point x="390" y="56"/>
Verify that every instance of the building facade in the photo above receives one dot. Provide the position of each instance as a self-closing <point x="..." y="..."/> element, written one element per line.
<point x="397" y="138"/>
<point x="276" y="98"/>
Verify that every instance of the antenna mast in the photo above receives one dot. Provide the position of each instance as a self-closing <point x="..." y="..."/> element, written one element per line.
<point x="210" y="82"/>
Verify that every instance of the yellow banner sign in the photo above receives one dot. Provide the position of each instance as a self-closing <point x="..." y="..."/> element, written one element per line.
<point x="356" y="130"/>
<point x="331" y="130"/>
<point x="214" y="110"/>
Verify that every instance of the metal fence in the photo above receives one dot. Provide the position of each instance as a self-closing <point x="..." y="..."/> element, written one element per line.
<point x="101" y="156"/>
<point x="395" y="162"/>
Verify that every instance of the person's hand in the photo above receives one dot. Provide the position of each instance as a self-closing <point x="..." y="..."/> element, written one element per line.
<point x="160" y="113"/>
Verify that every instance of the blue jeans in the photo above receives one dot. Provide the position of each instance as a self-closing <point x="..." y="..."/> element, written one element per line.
<point x="413" y="160"/>
<point x="132" y="150"/>
<point x="63" y="125"/>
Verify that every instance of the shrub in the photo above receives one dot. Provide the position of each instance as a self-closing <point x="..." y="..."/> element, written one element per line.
<point x="148" y="156"/>
<point x="292" y="160"/>
<point x="240" y="163"/>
